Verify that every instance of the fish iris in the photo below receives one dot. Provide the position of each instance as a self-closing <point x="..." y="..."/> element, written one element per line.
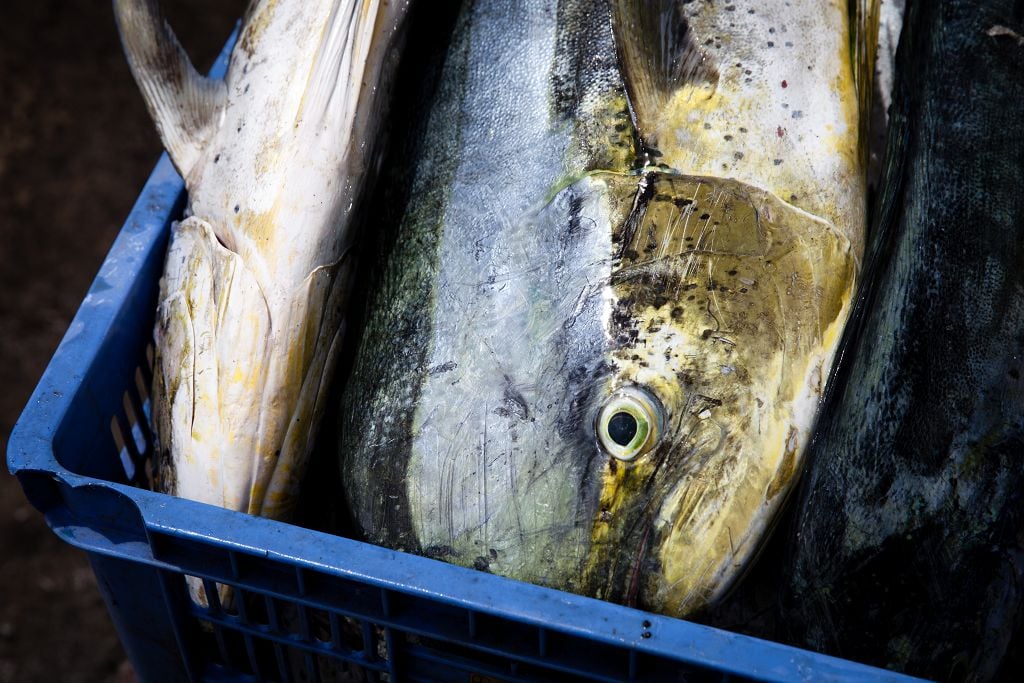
<point x="629" y="423"/>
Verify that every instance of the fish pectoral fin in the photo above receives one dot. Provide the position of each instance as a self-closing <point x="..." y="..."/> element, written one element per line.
<point x="184" y="105"/>
<point x="349" y="57"/>
<point x="658" y="54"/>
<point x="306" y="349"/>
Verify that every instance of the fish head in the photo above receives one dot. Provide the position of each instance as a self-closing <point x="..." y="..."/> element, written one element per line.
<point x="617" y="390"/>
<point x="726" y="307"/>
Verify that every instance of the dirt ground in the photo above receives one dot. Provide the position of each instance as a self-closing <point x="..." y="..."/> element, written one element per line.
<point x="76" y="146"/>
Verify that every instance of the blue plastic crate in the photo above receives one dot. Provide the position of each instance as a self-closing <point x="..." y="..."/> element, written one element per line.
<point x="313" y="606"/>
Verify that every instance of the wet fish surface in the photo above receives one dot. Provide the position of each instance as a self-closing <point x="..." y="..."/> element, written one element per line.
<point x="255" y="285"/>
<point x="593" y="357"/>
<point x="907" y="552"/>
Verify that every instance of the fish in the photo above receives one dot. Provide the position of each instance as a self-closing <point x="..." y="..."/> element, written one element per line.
<point x="907" y="549"/>
<point x="275" y="157"/>
<point x="628" y="243"/>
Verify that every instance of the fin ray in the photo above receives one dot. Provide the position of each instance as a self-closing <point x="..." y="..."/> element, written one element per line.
<point x="184" y="104"/>
<point x="658" y="55"/>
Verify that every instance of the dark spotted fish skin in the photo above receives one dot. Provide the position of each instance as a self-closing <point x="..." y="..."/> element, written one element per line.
<point x="909" y="544"/>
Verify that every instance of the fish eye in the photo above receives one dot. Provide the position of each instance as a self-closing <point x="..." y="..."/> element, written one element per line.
<point x="629" y="423"/>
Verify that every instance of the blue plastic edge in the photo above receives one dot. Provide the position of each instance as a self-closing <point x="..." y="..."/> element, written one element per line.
<point x="30" y="452"/>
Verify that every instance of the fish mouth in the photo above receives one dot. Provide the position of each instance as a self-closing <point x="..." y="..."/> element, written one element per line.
<point x="217" y="371"/>
<point x="657" y="542"/>
<point x="676" y="529"/>
<point x="623" y="563"/>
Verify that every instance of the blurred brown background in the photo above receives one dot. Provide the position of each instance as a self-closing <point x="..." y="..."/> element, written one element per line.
<point x="76" y="146"/>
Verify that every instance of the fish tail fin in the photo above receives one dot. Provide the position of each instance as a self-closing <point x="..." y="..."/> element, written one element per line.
<point x="864" y="21"/>
<point x="658" y="55"/>
<point x="184" y="105"/>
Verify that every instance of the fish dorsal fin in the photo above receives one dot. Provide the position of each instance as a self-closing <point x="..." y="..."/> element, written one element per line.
<point x="184" y="105"/>
<point x="864" y="20"/>
<point x="658" y="54"/>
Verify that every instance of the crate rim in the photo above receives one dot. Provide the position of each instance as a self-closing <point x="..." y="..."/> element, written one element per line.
<point x="596" y="620"/>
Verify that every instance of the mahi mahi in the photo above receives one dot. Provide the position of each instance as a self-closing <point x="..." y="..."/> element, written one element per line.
<point x="593" y="358"/>
<point x="252" y="298"/>
<point x="909" y="548"/>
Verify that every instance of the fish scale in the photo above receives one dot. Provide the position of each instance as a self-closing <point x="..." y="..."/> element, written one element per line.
<point x="521" y="297"/>
<point x="908" y="551"/>
<point x="780" y="112"/>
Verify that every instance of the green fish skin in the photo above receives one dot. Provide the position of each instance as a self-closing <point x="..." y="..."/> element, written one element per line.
<point x="909" y="544"/>
<point x="623" y="254"/>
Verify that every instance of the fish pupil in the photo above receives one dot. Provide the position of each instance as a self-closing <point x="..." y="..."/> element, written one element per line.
<point x="622" y="428"/>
